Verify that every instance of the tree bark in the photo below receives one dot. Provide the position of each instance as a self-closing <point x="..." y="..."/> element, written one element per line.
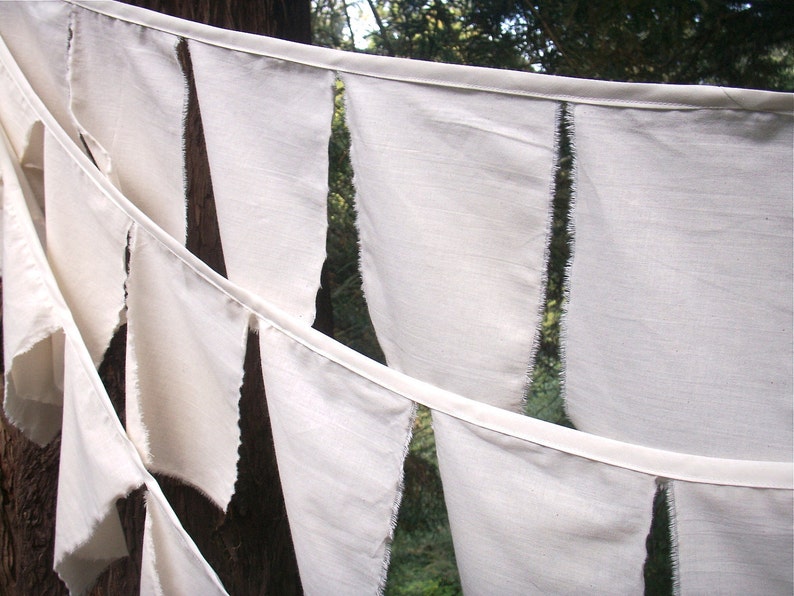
<point x="250" y="545"/>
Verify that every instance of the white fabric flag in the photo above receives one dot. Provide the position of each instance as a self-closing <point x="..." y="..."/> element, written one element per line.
<point x="733" y="540"/>
<point x="267" y="145"/>
<point x="526" y="519"/>
<point x="86" y="244"/>
<point x="171" y="563"/>
<point x="340" y="443"/>
<point x="98" y="466"/>
<point x="186" y="344"/>
<point x="453" y="200"/>
<point x="32" y="317"/>
<point x="679" y="324"/>
<point x="128" y="95"/>
<point x="25" y="137"/>
<point x="37" y="34"/>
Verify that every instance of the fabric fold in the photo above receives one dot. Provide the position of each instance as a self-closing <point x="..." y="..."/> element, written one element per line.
<point x="86" y="244"/>
<point x="32" y="317"/>
<point x="128" y="96"/>
<point x="733" y="540"/>
<point x="171" y="563"/>
<point x="98" y="466"/>
<point x="186" y="344"/>
<point x="267" y="145"/>
<point x="528" y="519"/>
<point x="679" y="323"/>
<point x="453" y="202"/>
<point x="340" y="444"/>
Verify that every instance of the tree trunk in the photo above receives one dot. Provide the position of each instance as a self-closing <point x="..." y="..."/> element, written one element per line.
<point x="250" y="546"/>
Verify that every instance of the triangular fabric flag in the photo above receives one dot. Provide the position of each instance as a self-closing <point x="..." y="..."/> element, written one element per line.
<point x="453" y="201"/>
<point x="186" y="343"/>
<point x="32" y="317"/>
<point x="98" y="466"/>
<point x="86" y="244"/>
<point x="37" y="35"/>
<point x="679" y="323"/>
<point x="171" y="563"/>
<point x="529" y="519"/>
<point x="128" y="95"/>
<point x="733" y="540"/>
<point x="340" y="444"/>
<point x="267" y="145"/>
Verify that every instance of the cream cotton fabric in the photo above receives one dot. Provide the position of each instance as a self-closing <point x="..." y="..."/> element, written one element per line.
<point x="453" y="208"/>
<point x="504" y="447"/>
<point x="340" y="442"/>
<point x="733" y="540"/>
<point x="171" y="564"/>
<point x="98" y="466"/>
<point x="679" y="324"/>
<point x="86" y="244"/>
<point x="267" y="145"/>
<point x="185" y="349"/>
<point x="32" y="327"/>
<point x="527" y="519"/>
<point x="128" y="95"/>
<point x="37" y="33"/>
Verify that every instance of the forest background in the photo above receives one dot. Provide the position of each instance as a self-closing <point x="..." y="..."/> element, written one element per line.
<point x="739" y="44"/>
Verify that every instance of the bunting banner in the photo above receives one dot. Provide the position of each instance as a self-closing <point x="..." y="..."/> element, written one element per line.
<point x="453" y="202"/>
<point x="453" y="169"/>
<point x="86" y="245"/>
<point x="185" y="350"/>
<point x="32" y="327"/>
<point x="678" y="332"/>
<point x="98" y="466"/>
<point x="128" y="95"/>
<point x="340" y="443"/>
<point x="267" y="145"/>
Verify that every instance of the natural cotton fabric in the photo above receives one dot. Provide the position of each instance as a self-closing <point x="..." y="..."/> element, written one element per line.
<point x="679" y="325"/>
<point x="733" y="540"/>
<point x="32" y="325"/>
<point x="171" y="563"/>
<point x="37" y="34"/>
<point x="453" y="203"/>
<point x="86" y="244"/>
<point x="267" y="145"/>
<point x="98" y="466"/>
<point x="128" y="95"/>
<point x="340" y="443"/>
<point x="185" y="349"/>
<point x="528" y="519"/>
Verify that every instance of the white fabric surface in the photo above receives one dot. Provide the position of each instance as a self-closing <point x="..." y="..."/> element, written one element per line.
<point x="733" y="540"/>
<point x="171" y="564"/>
<point x="185" y="348"/>
<point x="97" y="467"/>
<point x="32" y="327"/>
<point x="25" y="137"/>
<point x="267" y="145"/>
<point x="128" y="95"/>
<point x="453" y="208"/>
<point x="86" y="242"/>
<point x="37" y="33"/>
<point x="679" y="324"/>
<point x="315" y="364"/>
<point x="526" y="519"/>
<point x="340" y="443"/>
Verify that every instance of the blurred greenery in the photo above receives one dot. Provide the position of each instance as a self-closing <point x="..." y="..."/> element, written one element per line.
<point x="744" y="44"/>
